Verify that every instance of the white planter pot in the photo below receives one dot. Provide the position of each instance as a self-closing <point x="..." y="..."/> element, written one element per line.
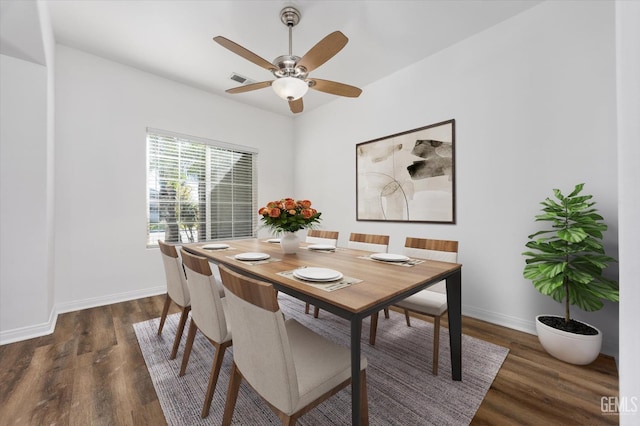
<point x="569" y="347"/>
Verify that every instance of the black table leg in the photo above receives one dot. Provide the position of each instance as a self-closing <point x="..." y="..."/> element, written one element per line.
<point x="454" y="302"/>
<point x="356" y="325"/>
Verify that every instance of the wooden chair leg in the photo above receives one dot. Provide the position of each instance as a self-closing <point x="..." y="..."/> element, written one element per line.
<point x="364" y="402"/>
<point x="373" y="329"/>
<point x="179" y="331"/>
<point x="386" y="313"/>
<point x="316" y="312"/>
<point x="213" y="378"/>
<point x="193" y="328"/>
<point x="165" y="311"/>
<point x="406" y="317"/>
<point x="436" y="344"/>
<point x="232" y="395"/>
<point x="286" y="419"/>
<point x="306" y="308"/>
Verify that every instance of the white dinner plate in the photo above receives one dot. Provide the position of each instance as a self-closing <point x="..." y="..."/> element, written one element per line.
<point x="317" y="274"/>
<point x="389" y="257"/>
<point x="321" y="247"/>
<point x="215" y="246"/>
<point x="273" y="240"/>
<point x="252" y="256"/>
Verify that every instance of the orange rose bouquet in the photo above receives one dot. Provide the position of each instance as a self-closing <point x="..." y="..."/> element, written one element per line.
<point x="289" y="215"/>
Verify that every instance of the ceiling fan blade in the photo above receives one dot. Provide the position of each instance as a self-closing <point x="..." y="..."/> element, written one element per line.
<point x="296" y="105"/>
<point x="245" y="53"/>
<point x="324" y="50"/>
<point x="334" y="88"/>
<point x="249" y="87"/>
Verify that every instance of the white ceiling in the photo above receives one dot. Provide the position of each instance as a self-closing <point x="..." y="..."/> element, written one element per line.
<point x="173" y="38"/>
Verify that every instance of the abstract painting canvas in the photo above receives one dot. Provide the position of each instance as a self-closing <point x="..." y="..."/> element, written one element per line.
<point x="408" y="177"/>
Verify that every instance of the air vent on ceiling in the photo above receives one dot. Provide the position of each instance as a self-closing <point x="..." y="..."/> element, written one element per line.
<point x="240" y="79"/>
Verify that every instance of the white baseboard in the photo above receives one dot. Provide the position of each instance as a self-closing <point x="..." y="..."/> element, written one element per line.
<point x="31" y="331"/>
<point x="109" y="299"/>
<point x="500" y="319"/>
<point x="43" y="329"/>
<point x="609" y="347"/>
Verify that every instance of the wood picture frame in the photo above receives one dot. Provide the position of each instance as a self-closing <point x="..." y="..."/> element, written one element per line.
<point x="408" y="176"/>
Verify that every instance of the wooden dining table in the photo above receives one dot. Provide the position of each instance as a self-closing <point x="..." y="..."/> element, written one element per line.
<point x="369" y="286"/>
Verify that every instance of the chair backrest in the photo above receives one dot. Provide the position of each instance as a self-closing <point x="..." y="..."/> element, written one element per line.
<point x="174" y="273"/>
<point x="441" y="250"/>
<point x="260" y="342"/>
<point x="206" y="305"/>
<point x="369" y="242"/>
<point x="317" y="236"/>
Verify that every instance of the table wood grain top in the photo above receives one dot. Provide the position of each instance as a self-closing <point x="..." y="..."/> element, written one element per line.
<point x="381" y="281"/>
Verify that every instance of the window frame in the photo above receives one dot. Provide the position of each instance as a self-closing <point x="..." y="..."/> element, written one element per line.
<point x="210" y="147"/>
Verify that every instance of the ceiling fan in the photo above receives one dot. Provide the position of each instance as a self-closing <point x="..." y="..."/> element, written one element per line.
<point x="292" y="72"/>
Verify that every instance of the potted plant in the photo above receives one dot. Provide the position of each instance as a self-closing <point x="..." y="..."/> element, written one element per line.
<point x="566" y="262"/>
<point x="286" y="217"/>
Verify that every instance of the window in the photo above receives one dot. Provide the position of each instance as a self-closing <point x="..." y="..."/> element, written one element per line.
<point x="198" y="189"/>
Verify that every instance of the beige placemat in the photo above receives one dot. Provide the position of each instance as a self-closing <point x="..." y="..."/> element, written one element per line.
<point x="330" y="286"/>
<point x="409" y="263"/>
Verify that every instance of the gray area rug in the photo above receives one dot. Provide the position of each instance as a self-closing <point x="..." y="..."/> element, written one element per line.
<point x="400" y="386"/>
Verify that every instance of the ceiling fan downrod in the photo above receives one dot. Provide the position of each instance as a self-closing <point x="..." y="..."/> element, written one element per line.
<point x="290" y="16"/>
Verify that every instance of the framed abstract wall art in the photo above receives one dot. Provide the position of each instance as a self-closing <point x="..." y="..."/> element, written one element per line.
<point x="408" y="177"/>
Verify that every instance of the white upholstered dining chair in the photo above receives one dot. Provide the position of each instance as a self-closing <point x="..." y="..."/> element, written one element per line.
<point x="208" y="314"/>
<point x="369" y="242"/>
<point x="432" y="301"/>
<point x="291" y="367"/>
<point x="177" y="291"/>
<point x="317" y="236"/>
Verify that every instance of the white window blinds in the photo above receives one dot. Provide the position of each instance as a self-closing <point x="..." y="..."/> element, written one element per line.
<point x="198" y="190"/>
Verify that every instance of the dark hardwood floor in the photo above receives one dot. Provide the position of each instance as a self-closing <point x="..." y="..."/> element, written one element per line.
<point x="90" y="371"/>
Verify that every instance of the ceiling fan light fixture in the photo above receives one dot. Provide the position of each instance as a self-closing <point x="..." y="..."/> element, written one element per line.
<point x="290" y="88"/>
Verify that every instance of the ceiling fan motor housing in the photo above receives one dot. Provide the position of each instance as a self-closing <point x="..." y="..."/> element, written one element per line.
<point x="287" y="67"/>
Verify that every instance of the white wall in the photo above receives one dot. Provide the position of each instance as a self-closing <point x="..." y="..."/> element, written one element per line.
<point x="26" y="172"/>
<point x="103" y="109"/>
<point x="534" y="103"/>
<point x="23" y="193"/>
<point x="628" y="61"/>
